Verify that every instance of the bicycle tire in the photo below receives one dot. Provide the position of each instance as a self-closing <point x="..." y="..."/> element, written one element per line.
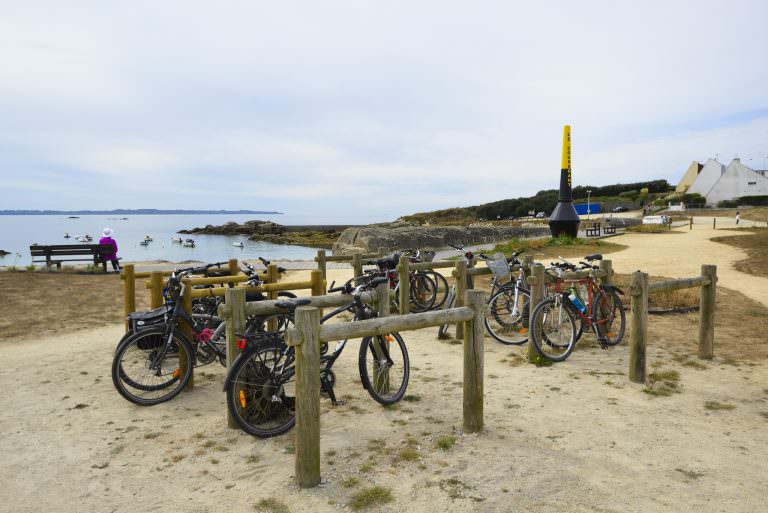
<point x="553" y="330"/>
<point x="131" y="373"/>
<point x="423" y="293"/>
<point x="604" y="316"/>
<point x="385" y="387"/>
<point x="260" y="397"/>
<point x="450" y="302"/>
<point x="442" y="288"/>
<point x="506" y="318"/>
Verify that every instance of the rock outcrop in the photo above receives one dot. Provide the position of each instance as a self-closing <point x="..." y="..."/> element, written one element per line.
<point x="370" y="239"/>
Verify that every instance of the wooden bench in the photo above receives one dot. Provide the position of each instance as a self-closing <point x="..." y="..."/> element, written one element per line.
<point x="592" y="229"/>
<point x="56" y="254"/>
<point x="609" y="229"/>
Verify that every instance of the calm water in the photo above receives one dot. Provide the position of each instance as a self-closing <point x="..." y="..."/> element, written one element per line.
<point x="17" y="233"/>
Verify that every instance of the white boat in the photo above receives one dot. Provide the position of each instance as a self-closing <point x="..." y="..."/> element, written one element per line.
<point x="83" y="238"/>
<point x="147" y="238"/>
<point x="177" y="240"/>
<point x="238" y="244"/>
<point x="189" y="243"/>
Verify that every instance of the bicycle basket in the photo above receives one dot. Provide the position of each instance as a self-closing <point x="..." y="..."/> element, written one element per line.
<point x="498" y="265"/>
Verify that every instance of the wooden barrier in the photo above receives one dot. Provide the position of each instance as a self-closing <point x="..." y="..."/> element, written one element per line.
<point x="404" y="285"/>
<point x="322" y="259"/>
<point x="234" y="312"/>
<point x="536" y="282"/>
<point x="309" y="334"/>
<point x="639" y="292"/>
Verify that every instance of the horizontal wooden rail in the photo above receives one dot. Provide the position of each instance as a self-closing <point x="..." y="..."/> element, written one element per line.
<point x="576" y="275"/>
<point x="685" y="283"/>
<point x="269" y="307"/>
<point x="438" y="264"/>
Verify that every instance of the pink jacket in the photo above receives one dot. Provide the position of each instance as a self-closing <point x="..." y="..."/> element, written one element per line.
<point x="109" y="240"/>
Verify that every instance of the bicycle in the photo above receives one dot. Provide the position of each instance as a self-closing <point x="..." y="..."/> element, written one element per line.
<point x="146" y="366"/>
<point x="441" y="284"/>
<point x="260" y="386"/>
<point x="422" y="289"/>
<point x="554" y="319"/>
<point x="509" y="303"/>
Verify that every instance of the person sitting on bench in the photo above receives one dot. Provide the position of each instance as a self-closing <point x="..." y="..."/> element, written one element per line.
<point x="112" y="257"/>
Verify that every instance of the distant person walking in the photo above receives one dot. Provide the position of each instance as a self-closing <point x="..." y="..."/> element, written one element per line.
<point x="738" y="218"/>
<point x="112" y="257"/>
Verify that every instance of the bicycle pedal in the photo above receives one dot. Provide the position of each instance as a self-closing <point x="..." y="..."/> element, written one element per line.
<point x="603" y="343"/>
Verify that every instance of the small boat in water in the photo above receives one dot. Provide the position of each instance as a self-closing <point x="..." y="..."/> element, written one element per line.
<point x="189" y="243"/>
<point x="147" y="238"/>
<point x="144" y="243"/>
<point x="238" y="244"/>
<point x="67" y="236"/>
<point x="177" y="240"/>
<point x="83" y="238"/>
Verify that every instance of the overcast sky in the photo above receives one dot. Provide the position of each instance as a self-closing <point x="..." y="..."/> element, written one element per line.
<point x="379" y="108"/>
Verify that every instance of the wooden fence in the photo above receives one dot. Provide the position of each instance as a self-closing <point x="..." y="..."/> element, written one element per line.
<point x="356" y="260"/>
<point x="638" y="336"/>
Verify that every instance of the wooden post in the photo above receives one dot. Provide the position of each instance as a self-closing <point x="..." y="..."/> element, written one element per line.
<point x="234" y="269"/>
<point x="638" y="334"/>
<point x="707" y="313"/>
<point x="536" y="283"/>
<point x="714" y="223"/>
<point x="156" y="292"/>
<point x="273" y="276"/>
<point x="357" y="264"/>
<point x="382" y="296"/>
<point x="234" y="308"/>
<point x="607" y="266"/>
<point x="381" y="374"/>
<point x="318" y="285"/>
<point x="405" y="285"/>
<point x="308" y="397"/>
<point x="527" y="264"/>
<point x="129" y="291"/>
<point x="321" y="265"/>
<point x="690" y="223"/>
<point x="473" y="364"/>
<point x="187" y="330"/>
<point x="460" y="278"/>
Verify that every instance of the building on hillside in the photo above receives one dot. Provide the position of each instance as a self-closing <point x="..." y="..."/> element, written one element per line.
<point x="709" y="174"/>
<point x="737" y="181"/>
<point x="688" y="178"/>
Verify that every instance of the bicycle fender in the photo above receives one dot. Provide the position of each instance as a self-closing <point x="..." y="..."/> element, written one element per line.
<point x="613" y="287"/>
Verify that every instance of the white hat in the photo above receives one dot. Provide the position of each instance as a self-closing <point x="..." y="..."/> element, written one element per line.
<point x="107" y="232"/>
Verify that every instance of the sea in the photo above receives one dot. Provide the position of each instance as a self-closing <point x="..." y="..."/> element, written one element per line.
<point x="18" y="232"/>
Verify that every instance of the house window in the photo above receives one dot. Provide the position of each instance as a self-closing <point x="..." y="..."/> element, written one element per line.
<point x="751" y="183"/>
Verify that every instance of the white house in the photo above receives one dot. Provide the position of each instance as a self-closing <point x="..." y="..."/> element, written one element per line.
<point x="709" y="174"/>
<point x="738" y="180"/>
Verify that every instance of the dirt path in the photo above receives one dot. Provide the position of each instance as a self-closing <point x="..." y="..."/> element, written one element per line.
<point x="681" y="254"/>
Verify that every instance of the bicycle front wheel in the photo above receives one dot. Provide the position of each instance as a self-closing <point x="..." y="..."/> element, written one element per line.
<point x="609" y="317"/>
<point x="384" y="367"/>
<point x="553" y="331"/>
<point x="146" y="371"/>
<point x="441" y="288"/>
<point x="261" y="390"/>
<point x="507" y="315"/>
<point x="423" y="293"/>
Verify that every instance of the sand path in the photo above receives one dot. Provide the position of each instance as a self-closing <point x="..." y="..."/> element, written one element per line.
<point x="681" y="255"/>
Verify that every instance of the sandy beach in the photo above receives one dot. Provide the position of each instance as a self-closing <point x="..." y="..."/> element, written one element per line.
<point x="575" y="437"/>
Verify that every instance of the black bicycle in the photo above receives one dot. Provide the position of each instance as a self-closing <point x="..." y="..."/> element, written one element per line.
<point x="146" y="367"/>
<point x="260" y="386"/>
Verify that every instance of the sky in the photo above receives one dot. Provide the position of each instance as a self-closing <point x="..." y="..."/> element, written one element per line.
<point x="375" y="109"/>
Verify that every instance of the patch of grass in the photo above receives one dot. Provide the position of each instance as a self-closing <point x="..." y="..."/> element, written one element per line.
<point x="214" y="461"/>
<point x="690" y="474"/>
<point x="412" y="398"/>
<point x="251" y="459"/>
<point x="177" y="458"/>
<point x="370" y="497"/>
<point x="717" y="406"/>
<point x="695" y="364"/>
<point x="445" y="442"/>
<point x="271" y="505"/>
<point x="650" y="228"/>
<point x="153" y="435"/>
<point x="663" y="383"/>
<point x="209" y="443"/>
<point x="365" y="468"/>
<point x="537" y="359"/>
<point x="408" y="454"/>
<point x="349" y="482"/>
<point x="330" y="453"/>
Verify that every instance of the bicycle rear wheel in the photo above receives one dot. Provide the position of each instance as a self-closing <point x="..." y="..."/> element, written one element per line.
<point x="145" y="376"/>
<point x="553" y="331"/>
<point x="507" y="315"/>
<point x="423" y="293"/>
<point x="261" y="390"/>
<point x="384" y="367"/>
<point x="609" y="317"/>
<point x="442" y="289"/>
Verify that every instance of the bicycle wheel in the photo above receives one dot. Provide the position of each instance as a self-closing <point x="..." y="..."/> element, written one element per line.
<point x="142" y="376"/>
<point x="553" y="331"/>
<point x="507" y="316"/>
<point x="423" y="293"/>
<point x="609" y="317"/>
<point x="442" y="289"/>
<point x="442" y="331"/>
<point x="384" y="367"/>
<point x="261" y="390"/>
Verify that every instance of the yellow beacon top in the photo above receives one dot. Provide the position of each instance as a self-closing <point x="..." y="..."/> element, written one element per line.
<point x="566" y="148"/>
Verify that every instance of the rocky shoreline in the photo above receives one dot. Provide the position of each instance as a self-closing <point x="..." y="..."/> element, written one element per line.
<point x="322" y="236"/>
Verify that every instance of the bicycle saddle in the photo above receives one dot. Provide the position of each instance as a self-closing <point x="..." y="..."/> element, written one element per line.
<point x="596" y="256"/>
